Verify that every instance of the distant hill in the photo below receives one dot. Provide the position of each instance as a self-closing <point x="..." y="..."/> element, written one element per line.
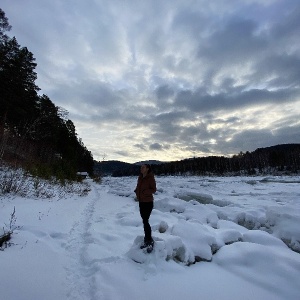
<point x="150" y="162"/>
<point x="282" y="147"/>
<point x="118" y="167"/>
<point x="114" y="166"/>
<point x="278" y="159"/>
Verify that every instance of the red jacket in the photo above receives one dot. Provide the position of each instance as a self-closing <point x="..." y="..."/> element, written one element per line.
<point x="146" y="187"/>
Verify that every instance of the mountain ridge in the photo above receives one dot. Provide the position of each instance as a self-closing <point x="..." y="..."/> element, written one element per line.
<point x="276" y="152"/>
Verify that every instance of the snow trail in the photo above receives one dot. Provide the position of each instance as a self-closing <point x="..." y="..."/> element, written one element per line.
<point x="81" y="285"/>
<point x="86" y="251"/>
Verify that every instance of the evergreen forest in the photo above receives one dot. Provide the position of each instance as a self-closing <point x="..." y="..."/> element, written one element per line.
<point x="35" y="134"/>
<point x="275" y="160"/>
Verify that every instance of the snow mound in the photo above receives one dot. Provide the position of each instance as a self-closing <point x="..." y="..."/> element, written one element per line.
<point x="228" y="236"/>
<point x="262" y="238"/>
<point x="251" y="219"/>
<point x="202" y="214"/>
<point x="275" y="268"/>
<point x="163" y="227"/>
<point x="201" y="198"/>
<point x="199" y="239"/>
<point x="170" y="248"/>
<point x="170" y="205"/>
<point x="280" y="180"/>
<point x="284" y="223"/>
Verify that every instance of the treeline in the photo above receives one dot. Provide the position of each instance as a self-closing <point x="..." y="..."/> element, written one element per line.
<point x="276" y="160"/>
<point x="106" y="168"/>
<point x="34" y="132"/>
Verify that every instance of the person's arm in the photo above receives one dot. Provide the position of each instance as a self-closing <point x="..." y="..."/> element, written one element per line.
<point x="137" y="184"/>
<point x="152" y="185"/>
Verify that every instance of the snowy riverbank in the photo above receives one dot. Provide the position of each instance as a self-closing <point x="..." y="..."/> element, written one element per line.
<point x="216" y="238"/>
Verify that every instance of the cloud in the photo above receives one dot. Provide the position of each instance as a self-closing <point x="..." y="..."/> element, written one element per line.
<point x="201" y="101"/>
<point x="164" y="92"/>
<point x="140" y="146"/>
<point x="158" y="147"/>
<point x="170" y="78"/>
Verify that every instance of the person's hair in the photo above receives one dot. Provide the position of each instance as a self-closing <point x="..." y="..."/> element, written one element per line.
<point x="149" y="168"/>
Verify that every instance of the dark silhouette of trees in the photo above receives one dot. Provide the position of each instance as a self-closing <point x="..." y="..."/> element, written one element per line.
<point x="4" y="26"/>
<point x="34" y="132"/>
<point x="277" y="160"/>
<point x="280" y="159"/>
<point x="17" y="84"/>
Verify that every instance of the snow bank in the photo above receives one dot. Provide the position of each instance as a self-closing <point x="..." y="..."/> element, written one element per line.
<point x="88" y="247"/>
<point x="264" y="265"/>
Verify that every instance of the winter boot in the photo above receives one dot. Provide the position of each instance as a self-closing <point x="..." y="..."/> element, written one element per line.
<point x="144" y="245"/>
<point x="150" y="246"/>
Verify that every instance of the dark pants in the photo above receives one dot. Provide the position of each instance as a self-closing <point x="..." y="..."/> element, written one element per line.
<point x="145" y="211"/>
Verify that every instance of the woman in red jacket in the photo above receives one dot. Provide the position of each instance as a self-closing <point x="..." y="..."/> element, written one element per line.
<point x="146" y="187"/>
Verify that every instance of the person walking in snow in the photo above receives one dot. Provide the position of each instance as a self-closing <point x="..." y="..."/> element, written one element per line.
<point x="146" y="187"/>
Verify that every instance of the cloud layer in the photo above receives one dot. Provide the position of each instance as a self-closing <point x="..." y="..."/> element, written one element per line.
<point x="168" y="79"/>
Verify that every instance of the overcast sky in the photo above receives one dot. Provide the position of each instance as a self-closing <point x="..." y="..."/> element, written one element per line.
<point x="167" y="79"/>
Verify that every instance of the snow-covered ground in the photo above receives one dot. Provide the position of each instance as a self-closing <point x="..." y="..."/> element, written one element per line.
<point x="216" y="239"/>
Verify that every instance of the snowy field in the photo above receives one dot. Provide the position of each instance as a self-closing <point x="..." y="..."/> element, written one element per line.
<point x="215" y="239"/>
